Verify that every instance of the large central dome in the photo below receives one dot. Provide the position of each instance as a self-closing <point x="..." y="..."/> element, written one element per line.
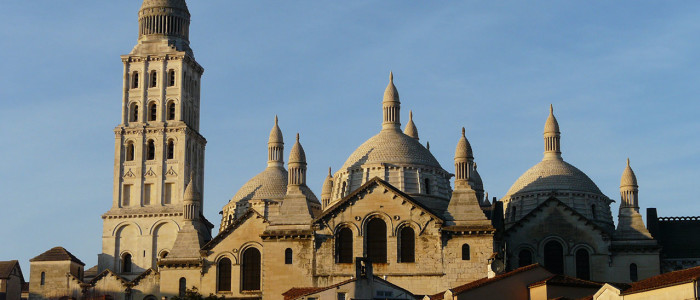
<point x="395" y="157"/>
<point x="391" y="147"/>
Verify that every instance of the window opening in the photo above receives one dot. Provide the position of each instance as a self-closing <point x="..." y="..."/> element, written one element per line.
<point x="134" y="113"/>
<point x="633" y="273"/>
<point x="154" y="79"/>
<point x="171" y="78"/>
<point x="171" y="111"/>
<point x="182" y="287"/>
<point x="554" y="257"/>
<point x="466" y="253"/>
<point x="43" y="278"/>
<point x="376" y="240"/>
<point x="583" y="268"/>
<point x="407" y="247"/>
<point x="171" y="149"/>
<point x="152" y="112"/>
<point x="129" y="151"/>
<point x="343" y="246"/>
<point x="151" y="150"/>
<point x="126" y="263"/>
<point x="288" y="256"/>
<point x="524" y="258"/>
<point x="250" y="267"/>
<point x="427" y="186"/>
<point x="135" y="80"/>
<point x="224" y="280"/>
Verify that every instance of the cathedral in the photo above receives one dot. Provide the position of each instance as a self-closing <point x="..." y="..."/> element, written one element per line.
<point x="391" y="205"/>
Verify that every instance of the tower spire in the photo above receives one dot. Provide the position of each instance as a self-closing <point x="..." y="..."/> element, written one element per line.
<point x="630" y="225"/>
<point x="552" y="137"/>
<point x="391" y="106"/>
<point x="275" y="147"/>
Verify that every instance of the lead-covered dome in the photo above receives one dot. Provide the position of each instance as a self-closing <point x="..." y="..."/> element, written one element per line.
<point x="270" y="184"/>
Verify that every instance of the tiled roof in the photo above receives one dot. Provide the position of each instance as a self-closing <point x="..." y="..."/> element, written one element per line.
<point x="553" y="174"/>
<point x="57" y="254"/>
<point x="664" y="280"/>
<point x="295" y="293"/>
<point x="392" y="147"/>
<point x="6" y="268"/>
<point x="484" y="281"/>
<point x="563" y="280"/>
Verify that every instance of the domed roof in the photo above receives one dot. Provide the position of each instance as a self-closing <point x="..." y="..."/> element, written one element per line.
<point x="297" y="155"/>
<point x="181" y="4"/>
<point x="327" y="188"/>
<point x="271" y="183"/>
<point x="551" y="126"/>
<point x="628" y="177"/>
<point x="391" y="146"/>
<point x="553" y="174"/>
<point x="464" y="149"/>
<point x="276" y="134"/>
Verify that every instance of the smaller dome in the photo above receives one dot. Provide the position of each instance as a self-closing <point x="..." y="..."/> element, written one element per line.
<point x="464" y="149"/>
<point x="327" y="188"/>
<point x="271" y="183"/>
<point x="276" y="134"/>
<point x="297" y="155"/>
<point x="628" y="177"/>
<point x="391" y="94"/>
<point x="551" y="126"/>
<point x="191" y="192"/>
<point x="411" y="129"/>
<point x="476" y="178"/>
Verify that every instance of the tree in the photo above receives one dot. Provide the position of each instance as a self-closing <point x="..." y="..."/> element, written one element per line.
<point x="193" y="294"/>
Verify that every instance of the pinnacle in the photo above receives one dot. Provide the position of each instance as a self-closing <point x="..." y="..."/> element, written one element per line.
<point x="551" y="109"/>
<point x="463" y="132"/>
<point x="391" y="76"/>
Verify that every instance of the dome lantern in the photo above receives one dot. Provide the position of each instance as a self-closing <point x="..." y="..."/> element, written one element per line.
<point x="275" y="147"/>
<point x="297" y="165"/>
<point x="552" y="136"/>
<point x="164" y="18"/>
<point x="629" y="191"/>
<point x="391" y="106"/>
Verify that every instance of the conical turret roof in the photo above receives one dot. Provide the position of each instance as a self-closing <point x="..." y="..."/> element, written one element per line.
<point x="297" y="155"/>
<point x="276" y="134"/>
<point x="551" y="126"/>
<point x="391" y="94"/>
<point x="464" y="149"/>
<point x="628" y="177"/>
<point x="327" y="188"/>
<point x="411" y="129"/>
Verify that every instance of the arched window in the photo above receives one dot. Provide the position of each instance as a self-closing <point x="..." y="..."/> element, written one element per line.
<point x="524" y="258"/>
<point x="342" y="190"/>
<point x="152" y="111"/>
<point x="515" y="212"/>
<point x="633" y="273"/>
<point x="129" y="151"/>
<point x="171" y="78"/>
<point x="126" y="263"/>
<point x="43" y="278"/>
<point x="230" y="219"/>
<point x="583" y="265"/>
<point x="250" y="267"/>
<point x="171" y="111"/>
<point x="407" y="245"/>
<point x="154" y="79"/>
<point x="288" y="256"/>
<point x="593" y="211"/>
<point x="182" y="287"/>
<point x="171" y="149"/>
<point x="426" y="184"/>
<point x="134" y="113"/>
<point x="164" y="254"/>
<point x="224" y="279"/>
<point x="554" y="257"/>
<point x="376" y="240"/>
<point x="466" y="255"/>
<point x="151" y="150"/>
<point x="343" y="246"/>
<point x="135" y="80"/>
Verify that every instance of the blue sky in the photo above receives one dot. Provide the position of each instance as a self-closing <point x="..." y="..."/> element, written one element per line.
<point x="622" y="75"/>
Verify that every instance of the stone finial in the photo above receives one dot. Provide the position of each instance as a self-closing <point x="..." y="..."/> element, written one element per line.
<point x="464" y="149"/>
<point x="427" y="145"/>
<point x="628" y="178"/>
<point x="411" y="129"/>
<point x="297" y="154"/>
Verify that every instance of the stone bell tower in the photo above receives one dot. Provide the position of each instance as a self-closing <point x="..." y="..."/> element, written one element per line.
<point x="158" y="146"/>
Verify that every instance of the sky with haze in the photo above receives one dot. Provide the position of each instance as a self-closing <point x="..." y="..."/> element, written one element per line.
<point x="622" y="76"/>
